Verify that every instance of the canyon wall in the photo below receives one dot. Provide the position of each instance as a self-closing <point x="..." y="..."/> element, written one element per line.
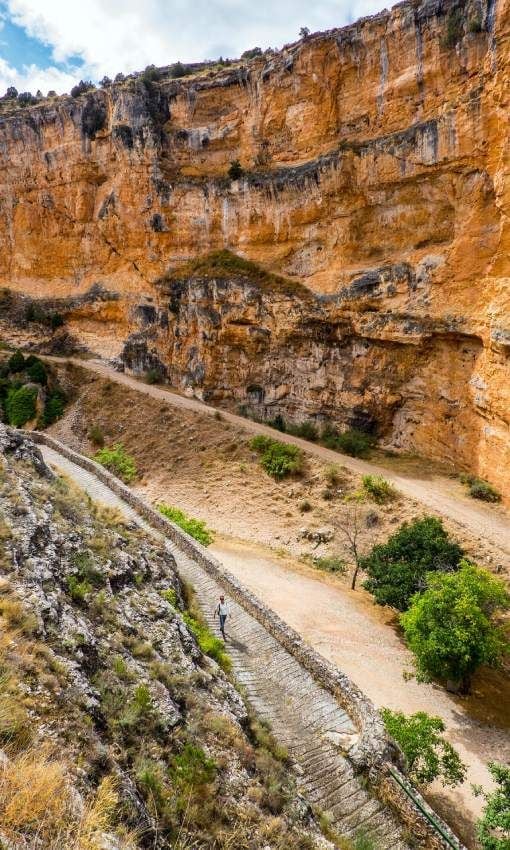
<point x="375" y="190"/>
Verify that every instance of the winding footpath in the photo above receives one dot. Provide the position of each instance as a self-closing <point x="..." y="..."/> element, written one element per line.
<point x="433" y="491"/>
<point x="304" y="717"/>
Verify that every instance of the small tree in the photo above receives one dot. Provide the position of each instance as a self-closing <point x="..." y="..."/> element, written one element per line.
<point x="397" y="569"/>
<point x="351" y="526"/>
<point x="451" y="627"/>
<point x="16" y="362"/>
<point x="304" y="32"/>
<point x="493" y="828"/>
<point x="428" y="756"/>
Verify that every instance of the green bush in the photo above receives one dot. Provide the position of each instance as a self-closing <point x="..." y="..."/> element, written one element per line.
<point x="330" y="564"/>
<point x="450" y="627"/>
<point x="54" y="407"/>
<point x="397" y="569"/>
<point x="305" y="430"/>
<point x="152" y="376"/>
<point x="493" y="828"/>
<point x="355" y="443"/>
<point x="208" y="643"/>
<point x="20" y="405"/>
<point x="78" y="589"/>
<point x="378" y="489"/>
<point x="16" y="362"/>
<point x="116" y="459"/>
<point x="278" y="459"/>
<point x="36" y="371"/>
<point x="428" y="756"/>
<point x="192" y="768"/>
<point x="480" y="489"/>
<point x="194" y="527"/>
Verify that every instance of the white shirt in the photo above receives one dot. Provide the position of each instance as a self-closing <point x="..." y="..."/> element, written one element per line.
<point x="222" y="609"/>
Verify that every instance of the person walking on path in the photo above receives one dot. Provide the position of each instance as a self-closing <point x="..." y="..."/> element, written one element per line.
<point x="222" y="611"/>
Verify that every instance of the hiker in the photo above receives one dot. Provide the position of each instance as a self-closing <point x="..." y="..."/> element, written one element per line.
<point x="222" y="612"/>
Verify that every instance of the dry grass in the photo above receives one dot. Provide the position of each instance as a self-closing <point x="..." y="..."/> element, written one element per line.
<point x="37" y="801"/>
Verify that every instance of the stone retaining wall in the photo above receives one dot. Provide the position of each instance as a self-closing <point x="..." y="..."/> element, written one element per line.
<point x="375" y="754"/>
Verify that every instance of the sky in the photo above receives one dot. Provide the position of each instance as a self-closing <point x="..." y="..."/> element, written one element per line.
<point x="51" y="44"/>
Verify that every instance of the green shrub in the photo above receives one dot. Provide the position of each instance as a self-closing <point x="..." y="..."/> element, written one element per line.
<point x="332" y="474"/>
<point x="54" y="407"/>
<point x="208" y="643"/>
<point x="279" y="423"/>
<point x="305" y="506"/>
<point x="428" y="756"/>
<point x="194" y="527"/>
<point x="378" y="489"/>
<point x="20" y="405"/>
<point x="152" y="376"/>
<point x="96" y="435"/>
<point x="278" y="459"/>
<point x="170" y="596"/>
<point x="87" y="569"/>
<point x="397" y="569"/>
<point x="236" y="171"/>
<point x="78" y="590"/>
<point x="36" y="371"/>
<point x="305" y="430"/>
<point x="450" y="627"/>
<point x="192" y="768"/>
<point x="355" y="443"/>
<point x="493" y="828"/>
<point x="16" y="362"/>
<point x="480" y="489"/>
<point x="56" y="320"/>
<point x="330" y="564"/>
<point x="116" y="459"/>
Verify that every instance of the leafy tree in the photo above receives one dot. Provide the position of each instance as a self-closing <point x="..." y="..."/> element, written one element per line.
<point x="54" y="407"/>
<point x="304" y="32"/>
<point x="11" y="93"/>
<point x="36" y="371"/>
<point x="20" y="405"/>
<point x="493" y="827"/>
<point x="427" y="754"/>
<point x="451" y="627"/>
<point x="397" y="569"/>
<point x="16" y="362"/>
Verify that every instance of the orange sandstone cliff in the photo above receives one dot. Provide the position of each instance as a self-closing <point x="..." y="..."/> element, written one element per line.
<point x="373" y="206"/>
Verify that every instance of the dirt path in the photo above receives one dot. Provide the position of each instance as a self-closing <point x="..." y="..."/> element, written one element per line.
<point x="357" y="636"/>
<point x="437" y="492"/>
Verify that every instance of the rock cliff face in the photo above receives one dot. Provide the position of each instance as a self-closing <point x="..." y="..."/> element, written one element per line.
<point x="375" y="179"/>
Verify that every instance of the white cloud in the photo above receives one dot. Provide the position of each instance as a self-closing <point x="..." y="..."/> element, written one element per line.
<point x="126" y="35"/>
<point x="31" y="78"/>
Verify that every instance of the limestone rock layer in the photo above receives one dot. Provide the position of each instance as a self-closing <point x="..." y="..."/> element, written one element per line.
<point x="376" y="183"/>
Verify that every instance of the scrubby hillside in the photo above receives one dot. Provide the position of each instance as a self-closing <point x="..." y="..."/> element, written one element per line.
<point x="115" y="730"/>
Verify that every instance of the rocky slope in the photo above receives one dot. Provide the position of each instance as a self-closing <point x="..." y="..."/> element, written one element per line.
<point x="375" y="180"/>
<point x="116" y="731"/>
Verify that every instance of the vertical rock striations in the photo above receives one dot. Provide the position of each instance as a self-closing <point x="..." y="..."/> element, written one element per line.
<point x="375" y="179"/>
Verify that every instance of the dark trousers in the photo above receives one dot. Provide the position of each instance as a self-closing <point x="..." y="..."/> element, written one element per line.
<point x="223" y="617"/>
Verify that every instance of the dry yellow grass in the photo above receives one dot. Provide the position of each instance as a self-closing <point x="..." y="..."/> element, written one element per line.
<point x="36" y="799"/>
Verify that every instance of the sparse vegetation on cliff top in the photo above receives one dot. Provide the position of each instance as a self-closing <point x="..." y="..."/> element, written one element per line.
<point x="226" y="264"/>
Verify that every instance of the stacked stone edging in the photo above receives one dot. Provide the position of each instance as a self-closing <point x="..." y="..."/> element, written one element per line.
<point x="374" y="753"/>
